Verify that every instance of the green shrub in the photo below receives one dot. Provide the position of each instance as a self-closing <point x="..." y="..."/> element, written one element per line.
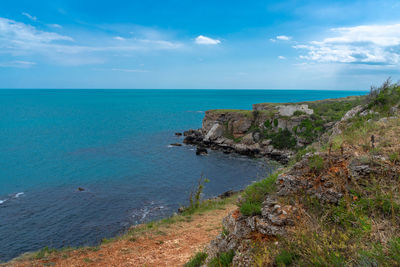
<point x="223" y="260"/>
<point x="250" y="208"/>
<point x="316" y="163"/>
<point x="283" y="139"/>
<point x="311" y="129"/>
<point x="195" y="195"/>
<point x="276" y="122"/>
<point x="197" y="260"/>
<point x="268" y="124"/>
<point x="299" y="113"/>
<point x="384" y="97"/>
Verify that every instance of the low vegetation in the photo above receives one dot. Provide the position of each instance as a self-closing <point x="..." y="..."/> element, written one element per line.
<point x="197" y="260"/>
<point x="223" y="260"/>
<point x="254" y="195"/>
<point x="363" y="228"/>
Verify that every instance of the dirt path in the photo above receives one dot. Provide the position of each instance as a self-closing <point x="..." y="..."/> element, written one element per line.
<point x="166" y="245"/>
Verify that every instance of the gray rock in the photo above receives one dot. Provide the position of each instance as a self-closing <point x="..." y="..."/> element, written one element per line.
<point x="352" y="112"/>
<point x="256" y="137"/>
<point x="215" y="132"/>
<point x="248" y="139"/>
<point x="289" y="110"/>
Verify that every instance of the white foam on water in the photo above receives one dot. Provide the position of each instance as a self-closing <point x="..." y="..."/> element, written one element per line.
<point x="145" y="213"/>
<point x="2" y="201"/>
<point x="18" y="194"/>
<point x="170" y="146"/>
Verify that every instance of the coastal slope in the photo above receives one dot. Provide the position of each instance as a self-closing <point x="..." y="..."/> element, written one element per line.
<point x="337" y="202"/>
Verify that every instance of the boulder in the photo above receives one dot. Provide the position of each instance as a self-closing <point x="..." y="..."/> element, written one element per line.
<point x="394" y="110"/>
<point x="248" y="139"/>
<point x="256" y="137"/>
<point x="201" y="151"/>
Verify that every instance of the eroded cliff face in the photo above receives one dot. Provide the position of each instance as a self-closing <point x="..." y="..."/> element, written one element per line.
<point x="269" y="130"/>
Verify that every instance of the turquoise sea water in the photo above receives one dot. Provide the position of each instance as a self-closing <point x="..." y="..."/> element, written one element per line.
<point x="115" y="144"/>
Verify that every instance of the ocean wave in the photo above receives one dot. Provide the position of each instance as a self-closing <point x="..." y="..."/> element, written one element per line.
<point x="2" y="201"/>
<point x="170" y="146"/>
<point x="17" y="195"/>
<point x="140" y="215"/>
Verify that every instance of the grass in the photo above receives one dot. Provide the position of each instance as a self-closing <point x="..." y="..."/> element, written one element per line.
<point x="284" y="258"/>
<point x="254" y="195"/>
<point x="223" y="260"/>
<point x="197" y="260"/>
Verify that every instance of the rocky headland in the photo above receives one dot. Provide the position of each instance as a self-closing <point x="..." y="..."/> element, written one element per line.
<point x="273" y="130"/>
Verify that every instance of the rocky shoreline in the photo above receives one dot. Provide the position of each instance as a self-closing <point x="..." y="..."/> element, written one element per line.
<point x="199" y="139"/>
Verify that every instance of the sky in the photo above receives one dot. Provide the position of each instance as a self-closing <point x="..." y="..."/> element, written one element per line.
<point x="207" y="44"/>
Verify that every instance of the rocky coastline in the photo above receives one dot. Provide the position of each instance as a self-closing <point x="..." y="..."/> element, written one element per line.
<point x="272" y="130"/>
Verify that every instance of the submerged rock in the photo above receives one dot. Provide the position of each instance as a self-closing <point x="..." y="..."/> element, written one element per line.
<point x="176" y="144"/>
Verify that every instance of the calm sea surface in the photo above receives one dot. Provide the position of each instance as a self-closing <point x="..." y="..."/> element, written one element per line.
<point x="115" y="144"/>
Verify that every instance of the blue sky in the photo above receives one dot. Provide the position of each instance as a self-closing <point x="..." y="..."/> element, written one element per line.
<point x="336" y="45"/>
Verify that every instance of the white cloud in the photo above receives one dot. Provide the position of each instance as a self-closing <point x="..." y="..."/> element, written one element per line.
<point x="17" y="64"/>
<point x="14" y="34"/>
<point x="119" y="38"/>
<point x="366" y="44"/>
<point x="204" y="40"/>
<point x="29" y="16"/>
<point x="58" y="26"/>
<point x="283" y="37"/>
<point x="281" y="57"/>
<point x="17" y="39"/>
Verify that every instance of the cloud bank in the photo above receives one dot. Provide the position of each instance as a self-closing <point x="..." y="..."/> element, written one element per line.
<point x="365" y="44"/>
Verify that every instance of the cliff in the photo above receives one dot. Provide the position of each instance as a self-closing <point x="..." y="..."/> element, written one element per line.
<point x="337" y="203"/>
<point x="274" y="130"/>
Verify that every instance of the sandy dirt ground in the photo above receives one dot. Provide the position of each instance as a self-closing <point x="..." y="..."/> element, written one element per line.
<point x="167" y="245"/>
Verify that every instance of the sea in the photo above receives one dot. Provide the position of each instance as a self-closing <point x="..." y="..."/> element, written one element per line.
<point x="116" y="145"/>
